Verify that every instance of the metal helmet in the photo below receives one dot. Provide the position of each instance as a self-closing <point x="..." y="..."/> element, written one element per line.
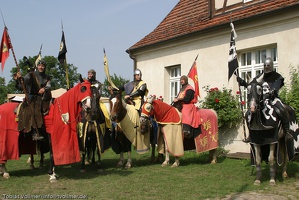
<point x="42" y="62"/>
<point x="268" y="65"/>
<point x="138" y="72"/>
<point x="93" y="72"/>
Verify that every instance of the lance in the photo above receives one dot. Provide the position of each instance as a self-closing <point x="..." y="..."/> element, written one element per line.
<point x="39" y="56"/>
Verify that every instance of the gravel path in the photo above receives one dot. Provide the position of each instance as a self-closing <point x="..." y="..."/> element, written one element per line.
<point x="278" y="192"/>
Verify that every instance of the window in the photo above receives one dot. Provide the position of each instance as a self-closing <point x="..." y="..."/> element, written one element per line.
<point x="251" y="65"/>
<point x="174" y="79"/>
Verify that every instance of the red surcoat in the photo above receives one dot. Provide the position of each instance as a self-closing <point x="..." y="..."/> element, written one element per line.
<point x="190" y="113"/>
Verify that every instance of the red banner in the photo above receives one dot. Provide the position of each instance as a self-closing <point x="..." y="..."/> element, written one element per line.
<point x="193" y="75"/>
<point x="5" y="46"/>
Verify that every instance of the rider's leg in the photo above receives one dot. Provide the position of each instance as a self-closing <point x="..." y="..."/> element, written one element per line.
<point x="284" y="117"/>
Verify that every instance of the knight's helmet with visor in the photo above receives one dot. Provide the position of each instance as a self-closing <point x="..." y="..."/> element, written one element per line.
<point x="268" y="65"/>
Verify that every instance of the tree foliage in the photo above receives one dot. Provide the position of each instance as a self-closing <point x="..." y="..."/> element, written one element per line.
<point x="117" y="80"/>
<point x="3" y="90"/>
<point x="290" y="93"/>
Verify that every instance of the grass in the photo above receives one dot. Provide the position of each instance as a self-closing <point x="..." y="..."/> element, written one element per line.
<point x="193" y="179"/>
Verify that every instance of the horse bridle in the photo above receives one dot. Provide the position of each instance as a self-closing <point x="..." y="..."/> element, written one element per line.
<point x="255" y="101"/>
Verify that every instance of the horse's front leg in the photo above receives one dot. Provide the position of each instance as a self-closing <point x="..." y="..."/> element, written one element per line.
<point x="213" y="156"/>
<point x="82" y="170"/>
<point x="120" y="163"/>
<point x="31" y="161"/>
<point x="99" y="163"/>
<point x="258" y="159"/>
<point x="3" y="171"/>
<point x="129" y="161"/>
<point x="176" y="162"/>
<point x="41" y="161"/>
<point x="166" y="161"/>
<point x="272" y="164"/>
<point x="51" y="172"/>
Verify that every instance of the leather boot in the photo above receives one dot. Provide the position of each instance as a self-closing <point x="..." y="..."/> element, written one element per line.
<point x="246" y="140"/>
<point x="284" y="117"/>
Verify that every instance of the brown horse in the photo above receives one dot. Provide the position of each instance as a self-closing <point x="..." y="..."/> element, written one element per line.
<point x="92" y="132"/>
<point x="60" y="123"/>
<point x="170" y="138"/>
<point x="266" y="133"/>
<point x="127" y="119"/>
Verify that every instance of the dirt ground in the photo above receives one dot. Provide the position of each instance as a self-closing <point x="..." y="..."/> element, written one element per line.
<point x="278" y="192"/>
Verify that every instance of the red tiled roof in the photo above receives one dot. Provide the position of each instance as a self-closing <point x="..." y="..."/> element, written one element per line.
<point x="190" y="16"/>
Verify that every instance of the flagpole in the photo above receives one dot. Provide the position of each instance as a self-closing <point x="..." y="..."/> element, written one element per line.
<point x="193" y="63"/>
<point x="66" y="74"/>
<point x="236" y="72"/>
<point x="242" y="108"/>
<point x="65" y="62"/>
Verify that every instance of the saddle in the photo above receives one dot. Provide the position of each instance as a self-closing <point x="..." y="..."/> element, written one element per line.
<point x="30" y="115"/>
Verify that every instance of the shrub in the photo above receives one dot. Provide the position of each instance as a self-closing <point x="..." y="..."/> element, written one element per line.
<point x="225" y="104"/>
<point x="290" y="93"/>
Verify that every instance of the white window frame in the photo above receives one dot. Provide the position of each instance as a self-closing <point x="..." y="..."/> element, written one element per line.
<point x="251" y="64"/>
<point x="174" y="81"/>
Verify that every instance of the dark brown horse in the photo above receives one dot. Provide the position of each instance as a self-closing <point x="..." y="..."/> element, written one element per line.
<point x="92" y="131"/>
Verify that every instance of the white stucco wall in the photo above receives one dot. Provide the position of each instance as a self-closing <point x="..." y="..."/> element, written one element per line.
<point x="212" y="62"/>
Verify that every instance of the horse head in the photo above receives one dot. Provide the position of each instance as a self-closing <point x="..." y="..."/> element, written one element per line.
<point x="92" y="112"/>
<point x="147" y="110"/>
<point x="117" y="107"/>
<point x="254" y="96"/>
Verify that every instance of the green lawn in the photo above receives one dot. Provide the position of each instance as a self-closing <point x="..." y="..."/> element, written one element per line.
<point x="193" y="179"/>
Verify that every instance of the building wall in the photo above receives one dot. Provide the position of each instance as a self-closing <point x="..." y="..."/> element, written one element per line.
<point x="212" y="63"/>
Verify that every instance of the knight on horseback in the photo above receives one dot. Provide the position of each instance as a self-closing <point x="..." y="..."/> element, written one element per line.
<point x="136" y="90"/>
<point x="36" y="83"/>
<point x="187" y="98"/>
<point x="271" y="82"/>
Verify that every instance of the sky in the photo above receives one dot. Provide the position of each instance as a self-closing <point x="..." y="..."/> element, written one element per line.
<point x="89" y="27"/>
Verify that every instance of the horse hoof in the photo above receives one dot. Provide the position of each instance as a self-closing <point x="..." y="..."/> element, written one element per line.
<point x="119" y="165"/>
<point x="213" y="162"/>
<point x="175" y="164"/>
<point x="52" y="178"/>
<point x="285" y="175"/>
<point x="272" y="182"/>
<point x="257" y="182"/>
<point x="100" y="170"/>
<point x="152" y="159"/>
<point x="6" y="175"/>
<point x="41" y="167"/>
<point x="32" y="167"/>
<point x="128" y="166"/>
<point x="165" y="163"/>
<point x="82" y="170"/>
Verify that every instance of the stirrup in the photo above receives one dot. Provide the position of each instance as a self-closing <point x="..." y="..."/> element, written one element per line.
<point x="37" y="137"/>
